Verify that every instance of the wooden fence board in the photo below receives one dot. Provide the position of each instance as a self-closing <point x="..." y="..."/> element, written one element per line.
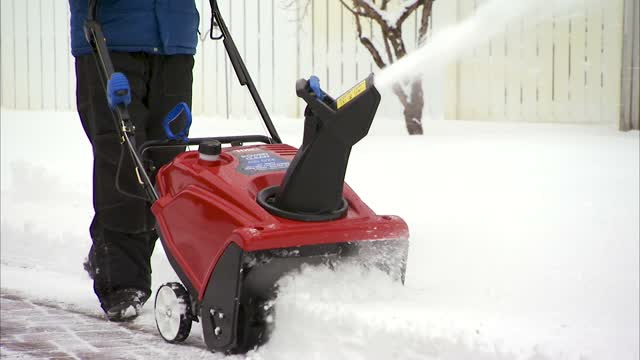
<point x="612" y="62"/>
<point x="544" y="77"/>
<point x="593" y="59"/>
<point x="8" y="54"/>
<point x="561" y="65"/>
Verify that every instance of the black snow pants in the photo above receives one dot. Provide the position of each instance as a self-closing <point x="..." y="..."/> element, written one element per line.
<point x="122" y="229"/>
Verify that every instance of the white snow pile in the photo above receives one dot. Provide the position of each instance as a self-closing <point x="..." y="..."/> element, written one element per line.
<point x="524" y="241"/>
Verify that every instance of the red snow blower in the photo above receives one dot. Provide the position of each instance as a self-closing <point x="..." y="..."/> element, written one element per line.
<point x="234" y="219"/>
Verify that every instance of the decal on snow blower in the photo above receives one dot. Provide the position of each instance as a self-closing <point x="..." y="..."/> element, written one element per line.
<point x="254" y="161"/>
<point x="351" y="94"/>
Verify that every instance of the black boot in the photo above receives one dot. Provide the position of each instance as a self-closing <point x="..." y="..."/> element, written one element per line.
<point x="124" y="304"/>
<point x="119" y="264"/>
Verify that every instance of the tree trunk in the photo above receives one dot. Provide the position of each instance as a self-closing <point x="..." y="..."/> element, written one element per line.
<point x="413" y="106"/>
<point x="413" y="111"/>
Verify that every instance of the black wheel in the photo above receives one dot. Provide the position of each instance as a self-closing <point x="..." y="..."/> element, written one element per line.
<point x="172" y="310"/>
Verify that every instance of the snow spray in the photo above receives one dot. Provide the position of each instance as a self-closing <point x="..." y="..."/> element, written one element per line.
<point x="490" y="19"/>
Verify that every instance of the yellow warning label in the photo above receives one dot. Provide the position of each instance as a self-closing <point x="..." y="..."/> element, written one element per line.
<point x="351" y="94"/>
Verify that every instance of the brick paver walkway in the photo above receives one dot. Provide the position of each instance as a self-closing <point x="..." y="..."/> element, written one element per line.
<point x="35" y="331"/>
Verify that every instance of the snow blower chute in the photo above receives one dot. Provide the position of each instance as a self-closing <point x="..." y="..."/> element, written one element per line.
<point x="234" y="219"/>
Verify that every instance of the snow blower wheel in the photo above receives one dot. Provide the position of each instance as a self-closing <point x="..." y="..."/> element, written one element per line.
<point x="172" y="310"/>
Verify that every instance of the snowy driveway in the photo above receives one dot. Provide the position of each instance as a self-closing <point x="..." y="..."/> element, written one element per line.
<point x="38" y="331"/>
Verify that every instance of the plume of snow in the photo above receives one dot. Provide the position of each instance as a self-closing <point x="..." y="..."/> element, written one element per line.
<point x="490" y="19"/>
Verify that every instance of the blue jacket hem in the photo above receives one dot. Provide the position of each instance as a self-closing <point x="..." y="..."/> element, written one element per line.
<point x="171" y="50"/>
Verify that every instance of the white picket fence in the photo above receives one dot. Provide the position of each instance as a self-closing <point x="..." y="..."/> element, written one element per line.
<point x="566" y="69"/>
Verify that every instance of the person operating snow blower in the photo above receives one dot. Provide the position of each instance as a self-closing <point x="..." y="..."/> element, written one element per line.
<point x="152" y="42"/>
<point x="232" y="219"/>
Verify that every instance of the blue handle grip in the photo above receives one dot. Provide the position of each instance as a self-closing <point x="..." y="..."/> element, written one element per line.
<point x="118" y="92"/>
<point x="314" y="84"/>
<point x="171" y="116"/>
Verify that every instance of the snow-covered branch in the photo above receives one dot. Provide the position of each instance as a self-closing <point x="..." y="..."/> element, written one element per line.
<point x="424" y="21"/>
<point x="368" y="44"/>
<point x="389" y="18"/>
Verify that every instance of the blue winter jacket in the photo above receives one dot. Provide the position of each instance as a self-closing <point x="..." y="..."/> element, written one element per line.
<point x="164" y="27"/>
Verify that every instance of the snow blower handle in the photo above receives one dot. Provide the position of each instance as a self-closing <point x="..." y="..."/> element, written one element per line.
<point x="240" y="68"/>
<point x="183" y="134"/>
<point x="118" y="91"/>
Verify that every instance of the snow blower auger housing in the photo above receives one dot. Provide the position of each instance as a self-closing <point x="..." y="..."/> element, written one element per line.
<point x="233" y="220"/>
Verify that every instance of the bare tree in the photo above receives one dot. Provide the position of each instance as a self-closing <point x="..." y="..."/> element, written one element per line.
<point x="408" y="92"/>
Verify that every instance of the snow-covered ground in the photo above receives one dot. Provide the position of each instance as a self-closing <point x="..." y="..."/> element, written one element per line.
<point x="524" y="240"/>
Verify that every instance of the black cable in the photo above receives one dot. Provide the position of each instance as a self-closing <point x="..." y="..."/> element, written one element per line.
<point x="120" y="190"/>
